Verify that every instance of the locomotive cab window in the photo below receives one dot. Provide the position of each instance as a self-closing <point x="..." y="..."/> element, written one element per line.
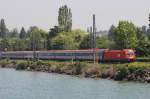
<point x="130" y="53"/>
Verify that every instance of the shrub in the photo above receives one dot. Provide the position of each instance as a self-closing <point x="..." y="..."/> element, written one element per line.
<point x="121" y="72"/>
<point x="40" y="62"/>
<point x="3" y="63"/>
<point x="33" y="65"/>
<point x="21" y="66"/>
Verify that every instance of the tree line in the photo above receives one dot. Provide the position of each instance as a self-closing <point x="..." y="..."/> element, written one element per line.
<point x="127" y="35"/>
<point x="124" y="35"/>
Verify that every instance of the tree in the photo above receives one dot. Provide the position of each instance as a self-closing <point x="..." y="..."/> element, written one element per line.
<point x="4" y="44"/>
<point x="143" y="43"/>
<point x="22" y="33"/>
<point x="148" y="30"/>
<point x="18" y="44"/>
<point x="111" y="32"/>
<point x="63" y="42"/>
<point x="32" y="28"/>
<point x="14" y="33"/>
<point x="102" y="42"/>
<point x="3" y="29"/>
<point x="78" y="35"/>
<point x="125" y="35"/>
<point x="65" y="18"/>
<point x="86" y="42"/>
<point x="35" y="39"/>
<point x="68" y="40"/>
<point x="52" y="33"/>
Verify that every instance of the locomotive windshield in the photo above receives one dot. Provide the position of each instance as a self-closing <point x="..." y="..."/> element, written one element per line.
<point x="130" y="53"/>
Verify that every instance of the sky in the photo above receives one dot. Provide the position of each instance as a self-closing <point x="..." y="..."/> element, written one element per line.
<point x="44" y="13"/>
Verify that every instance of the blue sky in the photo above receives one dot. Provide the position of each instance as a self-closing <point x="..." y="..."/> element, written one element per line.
<point x="43" y="13"/>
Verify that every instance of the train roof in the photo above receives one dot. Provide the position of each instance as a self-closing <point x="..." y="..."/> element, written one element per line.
<point x="82" y="50"/>
<point x="77" y="50"/>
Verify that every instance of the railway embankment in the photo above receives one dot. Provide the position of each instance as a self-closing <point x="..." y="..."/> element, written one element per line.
<point x="136" y="71"/>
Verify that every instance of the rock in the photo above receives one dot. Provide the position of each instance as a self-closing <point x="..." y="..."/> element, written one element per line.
<point x="147" y="79"/>
<point x="54" y="69"/>
<point x="92" y="72"/>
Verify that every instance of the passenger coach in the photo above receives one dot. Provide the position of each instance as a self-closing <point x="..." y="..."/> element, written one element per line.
<point x="101" y="55"/>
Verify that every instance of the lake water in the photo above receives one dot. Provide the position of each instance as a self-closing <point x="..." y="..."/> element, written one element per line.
<point x="37" y="85"/>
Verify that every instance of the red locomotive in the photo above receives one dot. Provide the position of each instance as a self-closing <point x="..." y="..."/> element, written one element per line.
<point x="101" y="55"/>
<point x="119" y="55"/>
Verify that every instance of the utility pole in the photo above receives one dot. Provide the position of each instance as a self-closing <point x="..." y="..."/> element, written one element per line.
<point x="94" y="39"/>
<point x="91" y="37"/>
<point x="33" y="46"/>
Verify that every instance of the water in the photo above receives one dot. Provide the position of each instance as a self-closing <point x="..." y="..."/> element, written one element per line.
<point x="37" y="85"/>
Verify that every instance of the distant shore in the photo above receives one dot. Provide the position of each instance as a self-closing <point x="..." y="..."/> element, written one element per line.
<point x="137" y="71"/>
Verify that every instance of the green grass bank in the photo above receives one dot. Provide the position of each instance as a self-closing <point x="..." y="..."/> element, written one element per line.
<point x="136" y="71"/>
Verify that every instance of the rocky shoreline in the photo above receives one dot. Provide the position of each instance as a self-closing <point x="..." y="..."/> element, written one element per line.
<point x="120" y="72"/>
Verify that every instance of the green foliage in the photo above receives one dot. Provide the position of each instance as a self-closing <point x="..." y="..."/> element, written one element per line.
<point x="22" y="65"/>
<point x="127" y="69"/>
<point x="35" y="37"/>
<point x="102" y="42"/>
<point x="125" y="35"/>
<point x="142" y="48"/>
<point x="78" y="35"/>
<point x="121" y="72"/>
<point x="111" y="33"/>
<point x="62" y="42"/>
<point x="3" y="63"/>
<point x="132" y="67"/>
<point x="53" y="33"/>
<point x="13" y="33"/>
<point x="86" y="42"/>
<point x="4" y="43"/>
<point x="68" y="40"/>
<point x="3" y="29"/>
<point x="65" y="18"/>
<point x="40" y="62"/>
<point x="18" y="44"/>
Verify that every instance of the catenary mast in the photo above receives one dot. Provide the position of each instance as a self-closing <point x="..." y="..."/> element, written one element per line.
<point x="94" y="39"/>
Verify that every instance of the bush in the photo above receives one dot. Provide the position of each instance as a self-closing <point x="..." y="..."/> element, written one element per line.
<point x="3" y="63"/>
<point x="22" y="66"/>
<point x="40" y="62"/>
<point x="138" y="66"/>
<point x="121" y="72"/>
<point x="33" y="65"/>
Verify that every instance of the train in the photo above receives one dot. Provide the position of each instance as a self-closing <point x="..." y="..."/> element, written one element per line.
<point x="101" y="55"/>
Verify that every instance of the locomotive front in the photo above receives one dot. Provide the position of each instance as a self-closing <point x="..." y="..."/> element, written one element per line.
<point x="130" y="54"/>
